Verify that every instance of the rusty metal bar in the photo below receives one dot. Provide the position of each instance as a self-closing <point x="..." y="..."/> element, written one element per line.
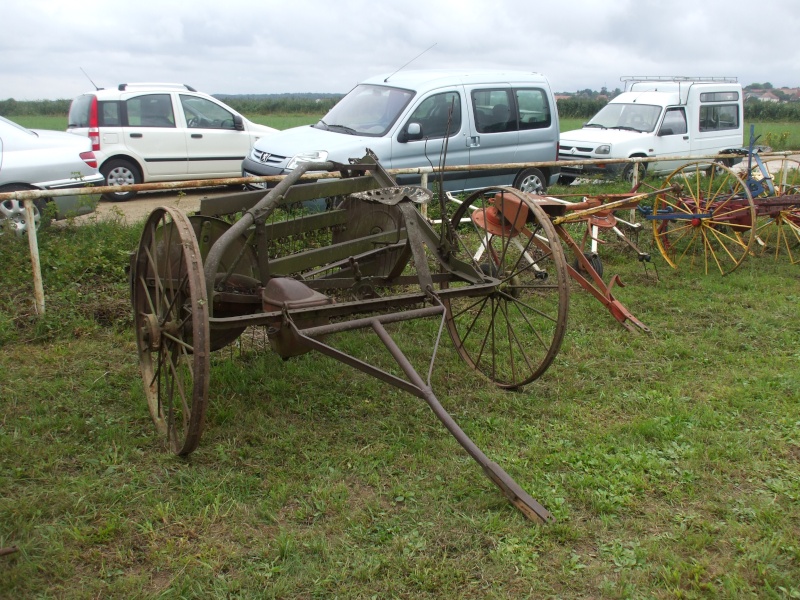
<point x="229" y="181"/>
<point x="580" y="215"/>
<point x="416" y="386"/>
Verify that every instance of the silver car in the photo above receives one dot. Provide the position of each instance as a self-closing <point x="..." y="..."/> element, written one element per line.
<point x="45" y="160"/>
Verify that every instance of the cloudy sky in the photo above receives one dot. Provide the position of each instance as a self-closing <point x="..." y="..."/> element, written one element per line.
<point x="263" y="46"/>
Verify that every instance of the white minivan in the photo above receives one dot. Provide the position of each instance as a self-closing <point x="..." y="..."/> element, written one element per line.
<point x="658" y="116"/>
<point x="420" y="118"/>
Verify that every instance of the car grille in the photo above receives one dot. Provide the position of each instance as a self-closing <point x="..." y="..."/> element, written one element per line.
<point x="267" y="158"/>
<point x="565" y="149"/>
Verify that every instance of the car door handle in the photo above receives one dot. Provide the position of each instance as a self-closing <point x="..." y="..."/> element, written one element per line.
<point x="686" y="137"/>
<point x="197" y="136"/>
<point x="473" y="141"/>
<point x="136" y="135"/>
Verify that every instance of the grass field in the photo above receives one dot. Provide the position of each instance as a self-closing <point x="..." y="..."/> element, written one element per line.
<point x="780" y="136"/>
<point x="670" y="460"/>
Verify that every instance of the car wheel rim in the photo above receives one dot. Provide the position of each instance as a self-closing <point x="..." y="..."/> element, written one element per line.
<point x="120" y="177"/>
<point x="532" y="185"/>
<point x="14" y="212"/>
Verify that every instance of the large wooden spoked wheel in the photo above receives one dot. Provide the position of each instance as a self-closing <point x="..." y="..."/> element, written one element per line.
<point x="512" y="334"/>
<point x="777" y="229"/>
<point x="704" y="222"/>
<point x="172" y="329"/>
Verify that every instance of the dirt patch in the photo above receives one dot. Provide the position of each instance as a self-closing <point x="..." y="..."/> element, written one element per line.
<point x="138" y="209"/>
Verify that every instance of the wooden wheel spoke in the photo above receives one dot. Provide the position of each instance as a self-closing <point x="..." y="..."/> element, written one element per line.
<point x="170" y="302"/>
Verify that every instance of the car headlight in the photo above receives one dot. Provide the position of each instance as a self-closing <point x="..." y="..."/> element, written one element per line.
<point x="304" y="157"/>
<point x="604" y="149"/>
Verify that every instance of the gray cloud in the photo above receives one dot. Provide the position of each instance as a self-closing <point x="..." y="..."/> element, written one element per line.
<point x="320" y="46"/>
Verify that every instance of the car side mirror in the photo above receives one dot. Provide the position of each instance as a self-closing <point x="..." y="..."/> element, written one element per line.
<point x="238" y="123"/>
<point x="666" y="131"/>
<point x="411" y="132"/>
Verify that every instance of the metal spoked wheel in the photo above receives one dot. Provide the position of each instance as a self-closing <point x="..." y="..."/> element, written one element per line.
<point x="704" y="222"/>
<point x="777" y="229"/>
<point x="512" y="334"/>
<point x="172" y="327"/>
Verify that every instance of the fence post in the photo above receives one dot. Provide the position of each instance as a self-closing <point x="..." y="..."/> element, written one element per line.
<point x="30" y="227"/>
<point x="424" y="183"/>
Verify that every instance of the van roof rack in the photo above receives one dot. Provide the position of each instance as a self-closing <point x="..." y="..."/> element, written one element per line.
<point x="180" y="86"/>
<point x="631" y="79"/>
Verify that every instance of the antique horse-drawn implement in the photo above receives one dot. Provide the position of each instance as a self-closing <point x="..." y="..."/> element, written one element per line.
<point x="367" y="262"/>
<point x="714" y="217"/>
<point x="500" y="217"/>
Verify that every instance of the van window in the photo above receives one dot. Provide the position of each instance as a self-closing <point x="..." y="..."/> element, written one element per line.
<point x="534" y="110"/>
<point x="719" y="116"/>
<point x="151" y="110"/>
<point x="493" y="111"/>
<point x="719" y="96"/>
<point x="434" y="115"/>
<point x="674" y="122"/>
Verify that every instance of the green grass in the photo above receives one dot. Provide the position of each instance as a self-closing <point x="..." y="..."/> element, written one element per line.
<point x="671" y="461"/>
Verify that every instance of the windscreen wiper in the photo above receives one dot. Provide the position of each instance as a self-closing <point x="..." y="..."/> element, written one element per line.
<point x="344" y="128"/>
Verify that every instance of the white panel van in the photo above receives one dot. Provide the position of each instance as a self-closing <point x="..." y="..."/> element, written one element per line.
<point x="658" y="116"/>
<point x="410" y="118"/>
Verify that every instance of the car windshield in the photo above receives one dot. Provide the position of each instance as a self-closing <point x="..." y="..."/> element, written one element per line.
<point x="366" y="110"/>
<point x="635" y="117"/>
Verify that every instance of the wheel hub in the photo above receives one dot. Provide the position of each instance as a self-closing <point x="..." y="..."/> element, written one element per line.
<point x="151" y="332"/>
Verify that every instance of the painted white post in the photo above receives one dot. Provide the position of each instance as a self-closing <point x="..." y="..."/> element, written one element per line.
<point x="30" y="227"/>
<point x="423" y="182"/>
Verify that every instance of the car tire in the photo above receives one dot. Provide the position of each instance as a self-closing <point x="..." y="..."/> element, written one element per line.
<point x="627" y="172"/>
<point x="531" y="181"/>
<point x="14" y="210"/>
<point x="120" y="172"/>
<point x="566" y="179"/>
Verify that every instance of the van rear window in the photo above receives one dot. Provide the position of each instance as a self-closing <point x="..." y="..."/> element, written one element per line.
<point x="719" y="97"/>
<point x="498" y="110"/>
<point x="534" y="110"/>
<point x="79" y="112"/>
<point x="717" y="117"/>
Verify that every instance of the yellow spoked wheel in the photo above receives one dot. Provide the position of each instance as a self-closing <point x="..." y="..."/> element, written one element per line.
<point x="704" y="222"/>
<point x="777" y="230"/>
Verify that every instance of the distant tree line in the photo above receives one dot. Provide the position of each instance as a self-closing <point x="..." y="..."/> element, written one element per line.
<point x="579" y="107"/>
<point x="33" y="108"/>
<point x="248" y="105"/>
